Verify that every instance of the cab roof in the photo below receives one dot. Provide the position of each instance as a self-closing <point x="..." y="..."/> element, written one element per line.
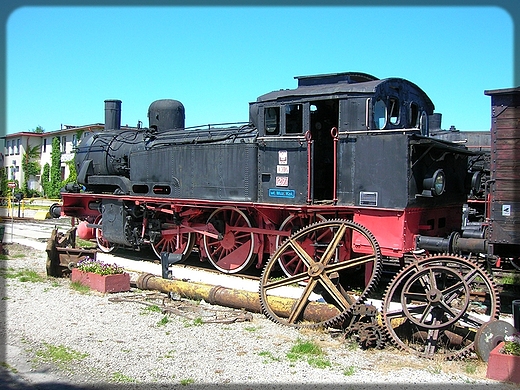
<point x="348" y="83"/>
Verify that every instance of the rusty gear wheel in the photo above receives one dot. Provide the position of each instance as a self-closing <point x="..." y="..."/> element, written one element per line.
<point x="435" y="306"/>
<point x="367" y="335"/>
<point x="336" y="274"/>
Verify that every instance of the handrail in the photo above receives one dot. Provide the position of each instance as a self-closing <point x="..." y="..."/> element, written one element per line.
<point x="334" y="135"/>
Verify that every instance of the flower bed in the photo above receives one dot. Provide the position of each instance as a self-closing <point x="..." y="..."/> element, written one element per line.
<point x="504" y="361"/>
<point x="100" y="276"/>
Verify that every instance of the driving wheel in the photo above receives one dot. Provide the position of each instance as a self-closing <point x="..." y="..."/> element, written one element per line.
<point x="233" y="251"/>
<point x="103" y="244"/>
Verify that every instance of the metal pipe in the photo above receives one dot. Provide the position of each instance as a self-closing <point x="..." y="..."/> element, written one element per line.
<point x="308" y="137"/>
<point x="334" y="134"/>
<point x="237" y="299"/>
<point x="452" y="244"/>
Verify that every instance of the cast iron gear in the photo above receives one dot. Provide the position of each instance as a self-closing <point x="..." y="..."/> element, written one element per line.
<point x="434" y="307"/>
<point x="334" y="273"/>
<point x="367" y="335"/>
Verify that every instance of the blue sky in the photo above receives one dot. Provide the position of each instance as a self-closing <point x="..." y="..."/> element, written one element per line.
<point x="63" y="62"/>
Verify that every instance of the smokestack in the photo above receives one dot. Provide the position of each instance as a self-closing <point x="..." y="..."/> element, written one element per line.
<point x="112" y="114"/>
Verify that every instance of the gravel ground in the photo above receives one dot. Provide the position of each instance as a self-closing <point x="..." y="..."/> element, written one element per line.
<point x="57" y="337"/>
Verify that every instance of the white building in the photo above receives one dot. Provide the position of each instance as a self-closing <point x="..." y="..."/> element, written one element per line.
<point x="17" y="144"/>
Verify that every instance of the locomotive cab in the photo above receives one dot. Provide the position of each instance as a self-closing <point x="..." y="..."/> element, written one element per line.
<point x="343" y="139"/>
<point x="352" y="140"/>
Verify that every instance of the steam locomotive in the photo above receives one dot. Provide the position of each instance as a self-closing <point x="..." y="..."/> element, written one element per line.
<point x="323" y="184"/>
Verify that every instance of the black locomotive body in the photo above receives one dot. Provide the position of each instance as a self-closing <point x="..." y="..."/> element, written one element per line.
<point x="322" y="183"/>
<point x="346" y="145"/>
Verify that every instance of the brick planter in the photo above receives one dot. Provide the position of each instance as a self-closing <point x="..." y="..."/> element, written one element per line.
<point x="502" y="367"/>
<point x="102" y="283"/>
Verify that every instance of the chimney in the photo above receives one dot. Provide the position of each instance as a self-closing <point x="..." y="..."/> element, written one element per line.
<point x="112" y="114"/>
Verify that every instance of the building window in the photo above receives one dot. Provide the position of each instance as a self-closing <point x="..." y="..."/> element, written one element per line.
<point x="62" y="173"/>
<point x="9" y="149"/>
<point x="74" y="140"/>
<point x="17" y="146"/>
<point x="63" y="144"/>
<point x="44" y="145"/>
<point x="14" y="170"/>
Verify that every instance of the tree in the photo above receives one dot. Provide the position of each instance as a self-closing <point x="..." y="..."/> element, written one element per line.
<point x="4" y="189"/>
<point x="30" y="167"/>
<point x="55" y="171"/>
<point x="46" y="181"/>
<point x="38" y="130"/>
<point x="72" y="173"/>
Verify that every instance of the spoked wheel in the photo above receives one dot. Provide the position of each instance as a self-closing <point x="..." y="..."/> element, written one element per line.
<point x="290" y="263"/>
<point x="234" y="252"/>
<point x="435" y="306"/>
<point x="333" y="273"/>
<point x="103" y="244"/>
<point x="172" y="240"/>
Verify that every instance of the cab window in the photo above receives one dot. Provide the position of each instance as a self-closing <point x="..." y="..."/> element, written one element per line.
<point x="393" y="110"/>
<point x="272" y="120"/>
<point x="380" y="114"/>
<point x="414" y="115"/>
<point x="293" y="119"/>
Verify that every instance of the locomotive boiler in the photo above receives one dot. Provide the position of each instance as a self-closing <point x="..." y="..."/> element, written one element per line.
<point x="323" y="184"/>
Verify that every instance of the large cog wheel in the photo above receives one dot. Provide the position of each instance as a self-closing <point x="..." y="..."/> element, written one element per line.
<point x="435" y="306"/>
<point x="342" y="264"/>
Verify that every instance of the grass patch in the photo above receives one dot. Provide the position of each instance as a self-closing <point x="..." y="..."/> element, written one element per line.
<point x="268" y="357"/>
<point x="59" y="355"/>
<point x="78" y="287"/>
<point x="436" y="369"/>
<point x="151" y="309"/>
<point x="81" y="243"/>
<point x="169" y="355"/>
<point x="309" y="351"/>
<point x="7" y="366"/>
<point x="198" y="321"/>
<point x="349" y="371"/>
<point x="163" y="321"/>
<point x="470" y="368"/>
<point x="187" y="381"/>
<point x="24" y="275"/>
<point x="510" y="279"/>
<point x="122" y="378"/>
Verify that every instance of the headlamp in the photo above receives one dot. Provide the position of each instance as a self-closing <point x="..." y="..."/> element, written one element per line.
<point x="434" y="185"/>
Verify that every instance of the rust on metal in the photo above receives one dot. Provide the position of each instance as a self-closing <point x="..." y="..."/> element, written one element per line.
<point x="62" y="253"/>
<point x="238" y="299"/>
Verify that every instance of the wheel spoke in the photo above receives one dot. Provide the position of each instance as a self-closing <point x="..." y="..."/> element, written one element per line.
<point x="335" y="293"/>
<point x="290" y="262"/>
<point x="320" y="255"/>
<point x="352" y="263"/>
<point x="331" y="248"/>
<point x="443" y="324"/>
<point x="301" y="253"/>
<point x="301" y="302"/>
<point x="233" y="252"/>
